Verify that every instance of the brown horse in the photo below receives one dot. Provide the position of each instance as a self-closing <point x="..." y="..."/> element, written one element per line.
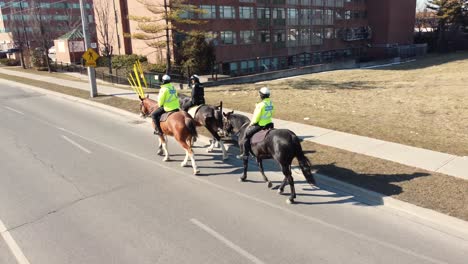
<point x="179" y="125"/>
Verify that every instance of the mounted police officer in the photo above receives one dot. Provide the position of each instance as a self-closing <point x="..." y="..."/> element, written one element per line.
<point x="198" y="91"/>
<point x="262" y="119"/>
<point x="168" y="101"/>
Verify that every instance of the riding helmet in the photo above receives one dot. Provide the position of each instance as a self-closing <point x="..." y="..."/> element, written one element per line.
<point x="166" y="77"/>
<point x="264" y="91"/>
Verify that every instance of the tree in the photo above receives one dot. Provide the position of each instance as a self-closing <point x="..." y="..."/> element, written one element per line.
<point x="19" y="32"/>
<point x="158" y="29"/>
<point x="103" y="14"/>
<point x="42" y="31"/>
<point x="198" y="55"/>
<point x="449" y="13"/>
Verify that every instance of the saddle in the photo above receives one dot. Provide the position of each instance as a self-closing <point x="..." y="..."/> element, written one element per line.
<point x="166" y="115"/>
<point x="260" y="136"/>
<point x="193" y="110"/>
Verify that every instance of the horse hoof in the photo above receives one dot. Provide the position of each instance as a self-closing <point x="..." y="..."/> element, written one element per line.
<point x="183" y="164"/>
<point x="166" y="159"/>
<point x="270" y="185"/>
<point x="196" y="172"/>
<point x="290" y="201"/>
<point x="280" y="191"/>
<point x="209" y="150"/>
<point x="242" y="179"/>
<point x="225" y="157"/>
<point x="160" y="152"/>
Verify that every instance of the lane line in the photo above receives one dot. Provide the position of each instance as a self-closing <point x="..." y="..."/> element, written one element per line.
<point x="361" y="236"/>
<point x="76" y="144"/>
<point x="13" y="110"/>
<point x="226" y="241"/>
<point x="12" y="245"/>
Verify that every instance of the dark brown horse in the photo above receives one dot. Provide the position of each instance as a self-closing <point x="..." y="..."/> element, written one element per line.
<point x="282" y="145"/>
<point x="209" y="116"/>
<point x="179" y="125"/>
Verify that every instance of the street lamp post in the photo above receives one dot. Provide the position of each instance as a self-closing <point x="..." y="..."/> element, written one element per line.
<point x="91" y="71"/>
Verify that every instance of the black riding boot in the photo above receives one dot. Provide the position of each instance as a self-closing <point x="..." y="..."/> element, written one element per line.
<point x="246" y="147"/>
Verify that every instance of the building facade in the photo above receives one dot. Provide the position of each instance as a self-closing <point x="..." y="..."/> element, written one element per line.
<point x="263" y="35"/>
<point x="22" y="23"/>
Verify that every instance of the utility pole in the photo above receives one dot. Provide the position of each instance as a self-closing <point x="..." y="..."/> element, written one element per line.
<point x="117" y="26"/>
<point x="91" y="70"/>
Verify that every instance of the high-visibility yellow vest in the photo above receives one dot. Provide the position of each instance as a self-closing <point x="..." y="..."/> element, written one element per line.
<point x="263" y="114"/>
<point x="168" y="97"/>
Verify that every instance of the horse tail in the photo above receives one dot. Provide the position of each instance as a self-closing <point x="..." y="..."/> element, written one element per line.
<point x="190" y="124"/>
<point x="304" y="162"/>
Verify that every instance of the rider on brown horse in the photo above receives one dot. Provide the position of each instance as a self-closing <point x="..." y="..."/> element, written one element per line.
<point x="262" y="119"/>
<point x="168" y="101"/>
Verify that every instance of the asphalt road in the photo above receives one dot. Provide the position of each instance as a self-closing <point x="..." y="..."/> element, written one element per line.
<point x="83" y="185"/>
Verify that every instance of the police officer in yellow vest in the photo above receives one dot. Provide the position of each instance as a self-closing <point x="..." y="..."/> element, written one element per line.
<point x="168" y="101"/>
<point x="262" y="119"/>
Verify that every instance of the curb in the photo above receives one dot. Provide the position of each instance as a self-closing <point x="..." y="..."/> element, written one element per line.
<point x="427" y="217"/>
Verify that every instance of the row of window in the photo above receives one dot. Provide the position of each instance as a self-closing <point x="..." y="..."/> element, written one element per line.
<point x="59" y="5"/>
<point x="276" y="63"/>
<point x="45" y="18"/>
<point x="330" y="3"/>
<point x="293" y="36"/>
<point x="304" y="16"/>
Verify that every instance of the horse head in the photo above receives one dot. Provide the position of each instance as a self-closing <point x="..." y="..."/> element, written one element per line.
<point x="227" y="123"/>
<point x="146" y="106"/>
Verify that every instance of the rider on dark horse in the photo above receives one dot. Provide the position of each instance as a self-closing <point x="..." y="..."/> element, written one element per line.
<point x="168" y="101"/>
<point x="262" y="119"/>
<point x="198" y="91"/>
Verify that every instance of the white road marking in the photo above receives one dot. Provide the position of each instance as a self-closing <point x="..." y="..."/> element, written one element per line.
<point x="76" y="144"/>
<point x="11" y="243"/>
<point x="363" y="237"/>
<point x="226" y="241"/>
<point x="14" y="110"/>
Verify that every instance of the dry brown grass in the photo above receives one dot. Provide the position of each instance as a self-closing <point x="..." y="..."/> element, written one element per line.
<point x="422" y="104"/>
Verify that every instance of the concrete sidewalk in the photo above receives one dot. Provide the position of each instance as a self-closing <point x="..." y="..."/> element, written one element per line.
<point x="416" y="157"/>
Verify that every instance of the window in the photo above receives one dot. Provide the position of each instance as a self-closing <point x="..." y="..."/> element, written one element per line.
<point x="263" y="13"/>
<point x="246" y="36"/>
<point x="247" y="66"/>
<point x="329" y="33"/>
<point x="306" y="16"/>
<point x="305" y="36"/>
<point x="330" y="3"/>
<point x="227" y="12"/>
<point x="293" y="37"/>
<point x="318" y="2"/>
<point x="246" y="12"/>
<point x="280" y="36"/>
<point x="306" y="2"/>
<point x="208" y="11"/>
<point x="264" y="36"/>
<point x="293" y="2"/>
<point x="233" y="68"/>
<point x="317" y="17"/>
<point x="278" y="13"/>
<point x="228" y="37"/>
<point x="293" y="16"/>
<point x="328" y="17"/>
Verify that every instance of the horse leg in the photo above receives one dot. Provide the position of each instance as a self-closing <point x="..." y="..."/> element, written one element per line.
<point x="281" y="187"/>
<point x="246" y="166"/>
<point x="260" y="165"/>
<point x="189" y="153"/>
<point x="210" y="148"/>
<point x="225" y="155"/>
<point x="160" y="150"/>
<point x="164" y="146"/>
<point x="287" y="173"/>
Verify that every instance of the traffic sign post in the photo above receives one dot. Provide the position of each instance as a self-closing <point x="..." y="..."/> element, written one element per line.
<point x="90" y="55"/>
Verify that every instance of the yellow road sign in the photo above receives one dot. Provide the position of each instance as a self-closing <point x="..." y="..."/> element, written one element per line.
<point x="90" y="56"/>
<point x="90" y="64"/>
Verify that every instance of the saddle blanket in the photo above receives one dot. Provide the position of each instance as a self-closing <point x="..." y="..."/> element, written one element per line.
<point x="193" y="110"/>
<point x="259" y="136"/>
<point x="166" y="115"/>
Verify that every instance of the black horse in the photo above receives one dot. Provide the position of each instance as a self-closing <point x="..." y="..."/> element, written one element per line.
<point x="282" y="145"/>
<point x="211" y="118"/>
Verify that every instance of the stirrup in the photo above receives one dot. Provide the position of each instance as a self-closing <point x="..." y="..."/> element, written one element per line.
<point x="242" y="157"/>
